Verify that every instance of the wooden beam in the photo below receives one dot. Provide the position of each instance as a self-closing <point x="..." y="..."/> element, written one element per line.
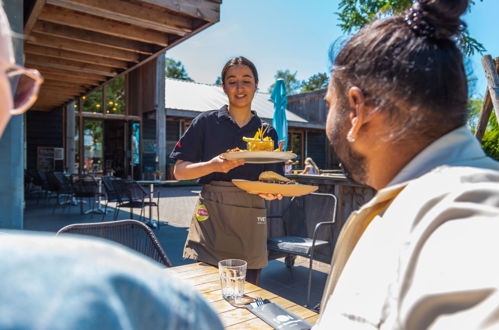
<point x="97" y="24"/>
<point x="491" y="73"/>
<point x="93" y="38"/>
<point x="73" y="79"/>
<point x="208" y="10"/>
<point x="74" y="56"/>
<point x="61" y="92"/>
<point x="56" y="84"/>
<point x="82" y="47"/>
<point x="484" y="117"/>
<point x="70" y="65"/>
<point x="47" y="96"/>
<point x="33" y="16"/>
<point x="131" y="12"/>
<point x="89" y="76"/>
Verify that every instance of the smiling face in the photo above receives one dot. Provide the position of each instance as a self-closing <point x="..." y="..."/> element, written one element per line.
<point x="337" y="126"/>
<point x="240" y="87"/>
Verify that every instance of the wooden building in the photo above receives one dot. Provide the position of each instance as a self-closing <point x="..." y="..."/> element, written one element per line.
<point x="96" y="57"/>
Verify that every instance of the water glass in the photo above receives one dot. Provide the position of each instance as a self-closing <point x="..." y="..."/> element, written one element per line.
<point x="232" y="276"/>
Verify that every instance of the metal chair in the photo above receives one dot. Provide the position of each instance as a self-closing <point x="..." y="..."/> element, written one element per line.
<point x="308" y="231"/>
<point x="86" y="186"/>
<point x="112" y="189"/>
<point x="133" y="196"/>
<point x="131" y="233"/>
<point x="63" y="188"/>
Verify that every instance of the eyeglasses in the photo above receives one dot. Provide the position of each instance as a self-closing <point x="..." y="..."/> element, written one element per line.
<point x="27" y="85"/>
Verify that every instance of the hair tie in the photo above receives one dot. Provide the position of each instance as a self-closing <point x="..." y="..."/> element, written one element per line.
<point x="416" y="19"/>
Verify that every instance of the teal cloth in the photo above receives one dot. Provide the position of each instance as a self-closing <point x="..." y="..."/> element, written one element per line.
<point x="279" y="121"/>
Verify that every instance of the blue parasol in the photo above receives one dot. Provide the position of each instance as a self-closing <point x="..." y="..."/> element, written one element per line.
<point x="279" y="121"/>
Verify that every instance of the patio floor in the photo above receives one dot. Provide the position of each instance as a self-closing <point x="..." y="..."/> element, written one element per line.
<point x="176" y="206"/>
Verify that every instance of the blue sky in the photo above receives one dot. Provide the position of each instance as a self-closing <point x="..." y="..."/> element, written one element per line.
<point x="296" y="35"/>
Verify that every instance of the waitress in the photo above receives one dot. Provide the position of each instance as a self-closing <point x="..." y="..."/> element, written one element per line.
<point x="227" y="222"/>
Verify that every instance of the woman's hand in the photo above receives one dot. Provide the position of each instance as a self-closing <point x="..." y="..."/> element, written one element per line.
<point x="270" y="197"/>
<point x="220" y="164"/>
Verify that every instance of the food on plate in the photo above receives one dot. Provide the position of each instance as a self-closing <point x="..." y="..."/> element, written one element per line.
<point x="273" y="177"/>
<point x="258" y="142"/>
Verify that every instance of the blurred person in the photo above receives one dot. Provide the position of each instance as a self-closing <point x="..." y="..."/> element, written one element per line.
<point x="52" y="282"/>
<point x="422" y="253"/>
<point x="228" y="223"/>
<point x="310" y="167"/>
<point x="288" y="167"/>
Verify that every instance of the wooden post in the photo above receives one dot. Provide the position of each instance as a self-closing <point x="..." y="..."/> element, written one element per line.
<point x="160" y="116"/>
<point x="70" y="137"/>
<point x="492" y="80"/>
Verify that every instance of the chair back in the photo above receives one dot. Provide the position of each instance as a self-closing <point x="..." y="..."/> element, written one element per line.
<point x="303" y="215"/>
<point x="112" y="188"/>
<point x="132" y="190"/>
<point x="305" y="212"/>
<point x="130" y="233"/>
<point x="85" y="186"/>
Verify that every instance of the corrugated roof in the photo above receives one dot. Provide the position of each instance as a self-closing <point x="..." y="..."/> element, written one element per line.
<point x="187" y="96"/>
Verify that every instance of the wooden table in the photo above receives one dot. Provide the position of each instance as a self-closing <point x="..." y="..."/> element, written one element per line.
<point x="205" y="278"/>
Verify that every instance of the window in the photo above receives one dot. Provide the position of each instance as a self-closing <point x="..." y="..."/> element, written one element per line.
<point x="92" y="102"/>
<point x="115" y="96"/>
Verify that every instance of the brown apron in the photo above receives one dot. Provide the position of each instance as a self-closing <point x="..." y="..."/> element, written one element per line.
<point x="228" y="223"/>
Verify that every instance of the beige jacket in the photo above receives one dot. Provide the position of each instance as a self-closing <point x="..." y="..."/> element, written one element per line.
<point x="422" y="254"/>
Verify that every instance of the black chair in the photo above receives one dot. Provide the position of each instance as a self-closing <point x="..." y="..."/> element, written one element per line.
<point x="133" y="196"/>
<point x="308" y="230"/>
<point x="112" y="189"/>
<point x="131" y="233"/>
<point x="86" y="186"/>
<point x="63" y="188"/>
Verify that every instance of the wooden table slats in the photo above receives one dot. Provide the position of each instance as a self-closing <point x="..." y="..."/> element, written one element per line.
<point x="205" y="278"/>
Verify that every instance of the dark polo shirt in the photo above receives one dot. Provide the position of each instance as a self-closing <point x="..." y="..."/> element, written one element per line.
<point x="214" y="132"/>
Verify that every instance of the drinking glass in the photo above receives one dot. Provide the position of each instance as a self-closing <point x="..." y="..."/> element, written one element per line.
<point x="232" y="277"/>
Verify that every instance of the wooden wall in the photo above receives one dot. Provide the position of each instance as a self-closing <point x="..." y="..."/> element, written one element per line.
<point x="310" y="106"/>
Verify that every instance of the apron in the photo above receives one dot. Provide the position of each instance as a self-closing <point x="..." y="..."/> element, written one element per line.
<point x="228" y="223"/>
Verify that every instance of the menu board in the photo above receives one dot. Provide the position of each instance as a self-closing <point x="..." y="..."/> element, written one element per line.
<point x="45" y="158"/>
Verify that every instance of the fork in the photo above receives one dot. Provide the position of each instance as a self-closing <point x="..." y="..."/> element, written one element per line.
<point x="259" y="301"/>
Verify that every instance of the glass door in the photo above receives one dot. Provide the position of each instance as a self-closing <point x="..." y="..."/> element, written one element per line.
<point x="92" y="146"/>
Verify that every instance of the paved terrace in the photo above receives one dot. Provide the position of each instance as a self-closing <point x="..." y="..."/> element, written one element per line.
<point x="176" y="207"/>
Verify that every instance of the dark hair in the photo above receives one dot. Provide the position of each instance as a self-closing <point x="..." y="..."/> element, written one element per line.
<point x="410" y="66"/>
<point x="240" y="60"/>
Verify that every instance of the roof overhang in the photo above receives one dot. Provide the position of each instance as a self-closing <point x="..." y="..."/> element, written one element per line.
<point x="78" y="45"/>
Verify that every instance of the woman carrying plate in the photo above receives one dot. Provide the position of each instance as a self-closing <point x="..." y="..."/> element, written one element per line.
<point x="227" y="222"/>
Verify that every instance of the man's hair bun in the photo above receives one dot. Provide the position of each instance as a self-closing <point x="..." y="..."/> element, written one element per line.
<point x="437" y="19"/>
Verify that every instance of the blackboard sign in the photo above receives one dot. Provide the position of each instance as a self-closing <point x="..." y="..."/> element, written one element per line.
<point x="45" y="158"/>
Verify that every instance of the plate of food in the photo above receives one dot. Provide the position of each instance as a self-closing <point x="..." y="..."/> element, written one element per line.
<point x="272" y="183"/>
<point x="260" y="150"/>
<point x="258" y="157"/>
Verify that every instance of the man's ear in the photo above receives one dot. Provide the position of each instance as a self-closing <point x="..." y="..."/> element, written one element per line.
<point x="359" y="114"/>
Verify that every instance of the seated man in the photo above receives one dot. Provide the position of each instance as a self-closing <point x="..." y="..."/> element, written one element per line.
<point x="49" y="282"/>
<point x="423" y="252"/>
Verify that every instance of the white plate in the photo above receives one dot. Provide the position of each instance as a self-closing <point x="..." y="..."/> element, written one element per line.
<point x="259" y="157"/>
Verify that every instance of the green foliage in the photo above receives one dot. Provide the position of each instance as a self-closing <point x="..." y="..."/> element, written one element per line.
<point x="292" y="84"/>
<point x="354" y="14"/>
<point x="218" y="82"/>
<point x="115" y="96"/>
<point x="317" y="81"/>
<point x="175" y="69"/>
<point x="490" y="140"/>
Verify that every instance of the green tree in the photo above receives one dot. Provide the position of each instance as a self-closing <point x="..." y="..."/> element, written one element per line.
<point x="490" y="140"/>
<point x="175" y="69"/>
<point x="354" y="14"/>
<point x="317" y="81"/>
<point x="290" y="81"/>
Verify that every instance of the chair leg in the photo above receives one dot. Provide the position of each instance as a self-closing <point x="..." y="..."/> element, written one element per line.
<point x="157" y="208"/>
<point x="310" y="267"/>
<point x="105" y="210"/>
